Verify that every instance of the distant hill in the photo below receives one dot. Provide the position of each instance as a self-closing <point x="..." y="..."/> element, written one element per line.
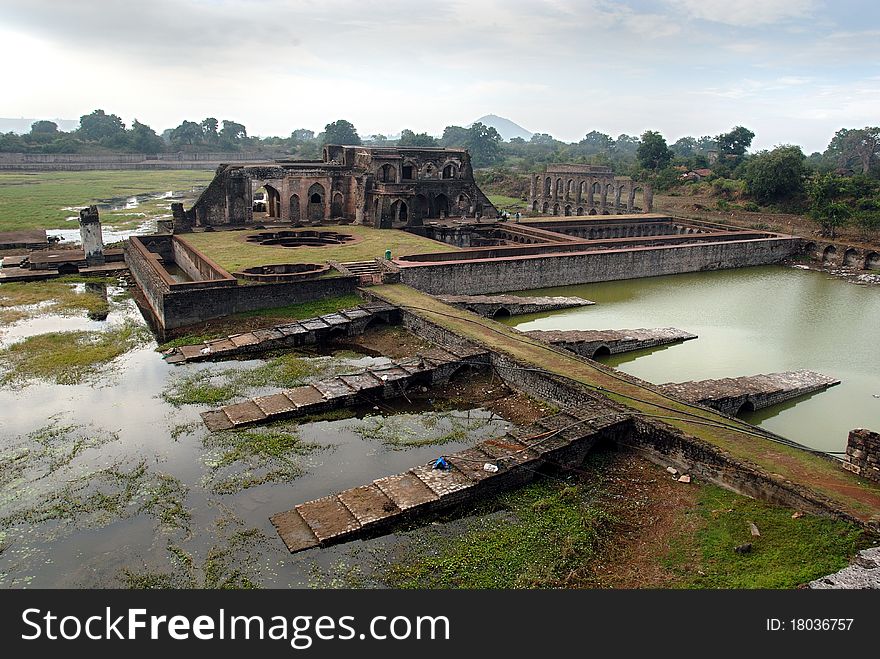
<point x="23" y="125"/>
<point x="505" y="127"/>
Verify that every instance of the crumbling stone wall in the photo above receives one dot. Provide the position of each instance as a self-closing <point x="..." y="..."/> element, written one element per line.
<point x="863" y="453"/>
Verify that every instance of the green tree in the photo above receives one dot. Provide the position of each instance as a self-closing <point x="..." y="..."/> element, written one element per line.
<point x="825" y="192"/>
<point x="484" y="145"/>
<point x="98" y="126"/>
<point x="232" y="131"/>
<point x="341" y="132"/>
<point x="735" y="142"/>
<point x="685" y="147"/>
<point x="652" y="151"/>
<point x="454" y="136"/>
<point x="776" y="174"/>
<point x="44" y="128"/>
<point x="188" y="133"/>
<point x="855" y="150"/>
<point x="209" y="130"/>
<point x="409" y="138"/>
<point x="143" y="139"/>
<point x="301" y="135"/>
<point x="541" y="138"/>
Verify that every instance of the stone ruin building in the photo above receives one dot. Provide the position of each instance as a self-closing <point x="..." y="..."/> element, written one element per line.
<point x="392" y="187"/>
<point x="587" y="190"/>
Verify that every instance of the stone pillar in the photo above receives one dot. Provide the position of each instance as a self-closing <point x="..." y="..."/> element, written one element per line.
<point x="863" y="454"/>
<point x="181" y="220"/>
<point x="90" y="232"/>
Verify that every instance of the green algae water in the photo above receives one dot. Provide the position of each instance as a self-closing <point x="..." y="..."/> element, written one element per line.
<point x="749" y="321"/>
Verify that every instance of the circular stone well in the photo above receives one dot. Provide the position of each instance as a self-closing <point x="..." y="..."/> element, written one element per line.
<point x="283" y="272"/>
<point x="303" y="238"/>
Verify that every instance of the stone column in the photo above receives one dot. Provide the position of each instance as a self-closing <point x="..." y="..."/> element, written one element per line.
<point x="90" y="232"/>
<point x="863" y="454"/>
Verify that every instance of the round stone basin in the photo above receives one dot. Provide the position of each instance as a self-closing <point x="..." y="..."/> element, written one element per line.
<point x="283" y="272"/>
<point x="304" y="238"/>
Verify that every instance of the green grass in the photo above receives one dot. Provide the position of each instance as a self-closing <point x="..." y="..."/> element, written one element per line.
<point x="789" y="552"/>
<point x="502" y="202"/>
<point x="233" y="252"/>
<point x="405" y="431"/>
<point x="550" y="530"/>
<point x="211" y="387"/>
<point x="69" y="357"/>
<point x="59" y="296"/>
<point x="34" y="200"/>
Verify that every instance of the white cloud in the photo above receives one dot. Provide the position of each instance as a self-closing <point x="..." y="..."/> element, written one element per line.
<point x="743" y="13"/>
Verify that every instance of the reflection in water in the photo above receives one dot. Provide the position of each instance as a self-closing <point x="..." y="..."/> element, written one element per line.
<point x="749" y="321"/>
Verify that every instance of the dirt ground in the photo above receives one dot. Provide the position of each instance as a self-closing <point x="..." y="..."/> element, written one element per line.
<point x="703" y="207"/>
<point x="652" y="510"/>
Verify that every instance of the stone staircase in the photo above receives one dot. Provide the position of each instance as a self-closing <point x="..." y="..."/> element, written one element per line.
<point x="369" y="272"/>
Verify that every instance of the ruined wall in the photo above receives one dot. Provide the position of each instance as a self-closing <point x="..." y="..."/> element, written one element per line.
<point x="516" y="274"/>
<point x="195" y="264"/>
<point x="152" y="287"/>
<point x="863" y="453"/>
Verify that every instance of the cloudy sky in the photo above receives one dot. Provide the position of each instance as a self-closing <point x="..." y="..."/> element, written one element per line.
<point x="793" y="71"/>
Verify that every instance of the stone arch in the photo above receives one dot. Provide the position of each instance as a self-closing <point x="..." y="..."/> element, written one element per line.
<point x="582" y="189"/>
<point x="441" y="205"/>
<point x="580" y="210"/>
<point x="828" y="253"/>
<point x="548" y="183"/>
<point x="595" y="188"/>
<point x="534" y="206"/>
<point x="273" y="201"/>
<point x="387" y="173"/>
<point x="293" y="208"/>
<point x="636" y="198"/>
<point x="747" y="406"/>
<point x="429" y="169"/>
<point x="569" y="188"/>
<point x="338" y="205"/>
<point x="501" y="312"/>
<point x="420" y="208"/>
<point x="592" y="211"/>
<point x="464" y="203"/>
<point x="409" y="170"/>
<point x="399" y="212"/>
<point x="556" y="209"/>
<point x="450" y="170"/>
<point x="810" y="249"/>
<point x="850" y="257"/>
<point x="618" y="193"/>
<point x="316" y="201"/>
<point x="872" y="261"/>
<point x="601" y="351"/>
<point x="560" y="189"/>
<point x="545" y="207"/>
<point x="568" y="209"/>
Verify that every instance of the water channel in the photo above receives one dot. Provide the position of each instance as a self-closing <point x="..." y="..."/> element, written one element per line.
<point x="749" y="321"/>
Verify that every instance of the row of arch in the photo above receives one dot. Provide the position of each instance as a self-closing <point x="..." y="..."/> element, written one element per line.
<point x="851" y="257"/>
<point x="410" y="171"/>
<point x="314" y="208"/>
<point x="413" y="210"/>
<point x="582" y="202"/>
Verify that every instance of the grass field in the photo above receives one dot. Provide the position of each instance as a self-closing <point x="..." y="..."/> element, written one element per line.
<point x="231" y="251"/>
<point x="36" y="200"/>
<point x="510" y="204"/>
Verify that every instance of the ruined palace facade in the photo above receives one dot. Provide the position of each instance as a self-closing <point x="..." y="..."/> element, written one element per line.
<point x="587" y="190"/>
<point x="380" y="187"/>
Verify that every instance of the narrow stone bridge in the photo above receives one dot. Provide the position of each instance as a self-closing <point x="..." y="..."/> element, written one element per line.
<point x="493" y="306"/>
<point x="747" y="394"/>
<point x="348" y="322"/>
<point x="431" y="368"/>
<point x="562" y="440"/>
<point x="595" y="343"/>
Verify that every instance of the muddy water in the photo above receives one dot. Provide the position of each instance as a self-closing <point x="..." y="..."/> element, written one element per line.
<point x="749" y="321"/>
<point x="123" y="424"/>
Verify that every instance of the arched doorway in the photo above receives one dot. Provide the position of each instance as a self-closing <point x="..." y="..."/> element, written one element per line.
<point x="534" y="206"/>
<point x="441" y="205"/>
<point x="464" y="204"/>
<point x="450" y="170"/>
<point x="338" y="205"/>
<point x="747" y="406"/>
<point x="545" y="207"/>
<point x="568" y="210"/>
<point x="850" y="257"/>
<point x="387" y="174"/>
<point x="399" y="212"/>
<point x="316" y="202"/>
<point x="872" y="261"/>
<point x="273" y="201"/>
<point x="601" y="351"/>
<point x="420" y="209"/>
<point x="828" y="253"/>
<point x="294" y="214"/>
<point x="548" y="182"/>
<point x="556" y="209"/>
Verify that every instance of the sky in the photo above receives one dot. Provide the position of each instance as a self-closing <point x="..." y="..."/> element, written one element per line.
<point x="793" y="71"/>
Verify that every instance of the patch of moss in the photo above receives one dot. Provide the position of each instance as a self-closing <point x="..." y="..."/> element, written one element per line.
<point x="69" y="357"/>
<point x="23" y="300"/>
<point x="405" y="431"/>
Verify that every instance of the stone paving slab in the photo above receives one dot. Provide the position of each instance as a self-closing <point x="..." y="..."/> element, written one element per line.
<point x="328" y="517"/>
<point x="314" y="324"/>
<point x="221" y="345"/>
<point x="335" y="388"/>
<point x="442" y="482"/>
<point x="368" y="504"/>
<point x="242" y="340"/>
<point x="274" y="404"/>
<point x="335" y="319"/>
<point x="216" y="420"/>
<point x="268" y="334"/>
<point x="243" y="413"/>
<point x="362" y="382"/>
<point x="304" y="396"/>
<point x="470" y="462"/>
<point x="405" y="490"/>
<point x="192" y="351"/>
<point x="291" y="329"/>
<point x="294" y="531"/>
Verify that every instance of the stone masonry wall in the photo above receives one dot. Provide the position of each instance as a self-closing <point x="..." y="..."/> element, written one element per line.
<point x="863" y="453"/>
<point x="501" y="275"/>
